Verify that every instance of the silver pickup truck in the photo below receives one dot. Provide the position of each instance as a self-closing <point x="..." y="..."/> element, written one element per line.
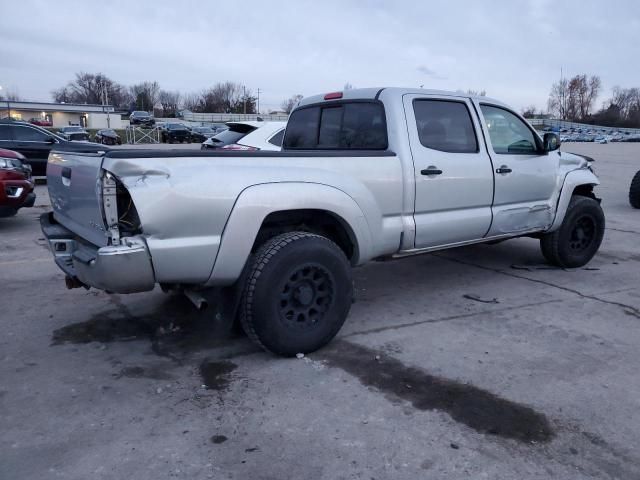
<point x="364" y="174"/>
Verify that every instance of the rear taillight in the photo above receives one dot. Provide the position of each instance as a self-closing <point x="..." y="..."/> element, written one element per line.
<point x="236" y="146"/>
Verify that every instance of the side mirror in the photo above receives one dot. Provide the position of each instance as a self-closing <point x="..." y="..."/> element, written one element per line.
<point x="551" y="142"/>
<point x="50" y="140"/>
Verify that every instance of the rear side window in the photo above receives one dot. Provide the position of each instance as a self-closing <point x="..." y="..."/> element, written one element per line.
<point x="277" y="139"/>
<point x="29" y="134"/>
<point x="302" y="128"/>
<point x="343" y="126"/>
<point x="5" y="132"/>
<point x="445" y="125"/>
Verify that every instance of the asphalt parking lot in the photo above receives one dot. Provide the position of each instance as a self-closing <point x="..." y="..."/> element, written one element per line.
<point x="480" y="362"/>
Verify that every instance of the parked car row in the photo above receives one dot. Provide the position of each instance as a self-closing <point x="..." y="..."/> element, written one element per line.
<point x="35" y="143"/>
<point x="586" y="137"/>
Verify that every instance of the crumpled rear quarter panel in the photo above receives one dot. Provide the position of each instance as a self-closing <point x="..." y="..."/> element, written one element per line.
<point x="182" y="211"/>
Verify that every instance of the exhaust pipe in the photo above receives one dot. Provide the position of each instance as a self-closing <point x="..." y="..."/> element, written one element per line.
<point x="198" y="300"/>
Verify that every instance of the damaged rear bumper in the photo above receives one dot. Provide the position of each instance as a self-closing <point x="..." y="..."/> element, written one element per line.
<point x="125" y="268"/>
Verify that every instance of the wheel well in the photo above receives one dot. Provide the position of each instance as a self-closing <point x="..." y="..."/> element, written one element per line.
<point x="584" y="191"/>
<point x="320" y="222"/>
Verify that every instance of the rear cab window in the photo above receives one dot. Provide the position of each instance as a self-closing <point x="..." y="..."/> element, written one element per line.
<point x="343" y="125"/>
<point x="445" y="125"/>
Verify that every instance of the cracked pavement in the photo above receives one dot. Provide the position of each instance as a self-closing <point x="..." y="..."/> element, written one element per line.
<point x="480" y="362"/>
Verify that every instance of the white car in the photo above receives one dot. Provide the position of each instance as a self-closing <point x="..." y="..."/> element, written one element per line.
<point x="248" y="136"/>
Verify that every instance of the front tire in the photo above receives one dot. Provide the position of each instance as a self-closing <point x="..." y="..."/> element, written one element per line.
<point x="577" y="240"/>
<point x="297" y="294"/>
<point x="634" y="191"/>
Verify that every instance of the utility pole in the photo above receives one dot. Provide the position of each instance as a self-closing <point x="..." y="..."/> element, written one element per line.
<point x="105" y="101"/>
<point x="258" y="102"/>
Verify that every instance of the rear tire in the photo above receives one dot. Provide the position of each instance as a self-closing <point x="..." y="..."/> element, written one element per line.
<point x="634" y="191"/>
<point x="577" y="240"/>
<point x="297" y="294"/>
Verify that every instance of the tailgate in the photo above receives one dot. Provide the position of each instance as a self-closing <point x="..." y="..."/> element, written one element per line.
<point x="74" y="183"/>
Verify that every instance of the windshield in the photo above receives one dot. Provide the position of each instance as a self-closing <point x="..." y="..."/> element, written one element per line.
<point x="140" y="114"/>
<point x="176" y="126"/>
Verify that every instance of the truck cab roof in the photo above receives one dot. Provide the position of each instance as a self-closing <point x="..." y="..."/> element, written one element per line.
<point x="375" y="93"/>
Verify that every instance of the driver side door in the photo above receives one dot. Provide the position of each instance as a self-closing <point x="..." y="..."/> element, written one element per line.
<point x="526" y="176"/>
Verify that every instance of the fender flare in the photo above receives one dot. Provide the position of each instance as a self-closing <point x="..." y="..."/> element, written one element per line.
<point x="256" y="202"/>
<point x="573" y="179"/>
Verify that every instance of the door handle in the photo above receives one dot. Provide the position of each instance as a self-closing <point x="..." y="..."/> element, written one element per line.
<point x="66" y="173"/>
<point x="503" y="169"/>
<point x="431" y="171"/>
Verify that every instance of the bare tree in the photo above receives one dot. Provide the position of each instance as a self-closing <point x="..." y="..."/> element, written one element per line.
<point x="529" y="112"/>
<point x="289" y="104"/>
<point x="170" y="102"/>
<point x="145" y="95"/>
<point x="573" y="99"/>
<point x="477" y="93"/>
<point x="223" y="97"/>
<point x="348" y="86"/>
<point x="11" y="95"/>
<point x="626" y="100"/>
<point x="93" y="88"/>
<point x="559" y="99"/>
<point x="191" y="101"/>
<point x="621" y="110"/>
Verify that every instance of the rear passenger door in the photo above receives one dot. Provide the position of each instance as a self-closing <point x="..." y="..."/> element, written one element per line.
<point x="33" y="144"/>
<point x="453" y="172"/>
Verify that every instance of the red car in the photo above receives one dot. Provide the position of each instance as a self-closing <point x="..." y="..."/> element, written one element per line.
<point x="40" y="122"/>
<point x="16" y="186"/>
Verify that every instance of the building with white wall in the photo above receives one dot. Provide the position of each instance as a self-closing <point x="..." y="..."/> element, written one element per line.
<point x="62" y="114"/>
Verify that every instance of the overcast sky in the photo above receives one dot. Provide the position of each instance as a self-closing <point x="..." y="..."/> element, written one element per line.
<point x="512" y="49"/>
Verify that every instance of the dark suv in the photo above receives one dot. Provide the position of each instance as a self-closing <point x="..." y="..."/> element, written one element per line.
<point x="75" y="133"/>
<point x="35" y="143"/>
<point x="142" y="118"/>
<point x="175" y="132"/>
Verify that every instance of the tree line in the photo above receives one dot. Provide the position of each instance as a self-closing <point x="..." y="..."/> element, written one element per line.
<point x="574" y="99"/>
<point x="97" y="88"/>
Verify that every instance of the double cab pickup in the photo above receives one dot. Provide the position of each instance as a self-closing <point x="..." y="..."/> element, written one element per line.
<point x="363" y="174"/>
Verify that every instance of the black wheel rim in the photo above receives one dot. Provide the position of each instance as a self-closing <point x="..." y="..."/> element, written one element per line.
<point x="306" y="296"/>
<point x="582" y="234"/>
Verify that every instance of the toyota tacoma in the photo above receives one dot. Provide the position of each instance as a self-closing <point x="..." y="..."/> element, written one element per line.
<point x="364" y="174"/>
